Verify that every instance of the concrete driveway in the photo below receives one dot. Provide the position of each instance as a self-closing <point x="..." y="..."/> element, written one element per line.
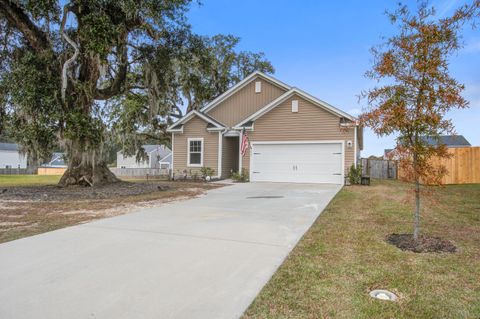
<point x="203" y="258"/>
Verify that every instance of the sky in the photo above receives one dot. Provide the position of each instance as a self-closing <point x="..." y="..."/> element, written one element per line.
<point x="323" y="47"/>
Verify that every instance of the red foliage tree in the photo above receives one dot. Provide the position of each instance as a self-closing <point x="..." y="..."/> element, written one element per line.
<point x="418" y="89"/>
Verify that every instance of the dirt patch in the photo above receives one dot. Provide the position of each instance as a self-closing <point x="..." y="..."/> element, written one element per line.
<point x="56" y="193"/>
<point x="30" y="210"/>
<point x="424" y="244"/>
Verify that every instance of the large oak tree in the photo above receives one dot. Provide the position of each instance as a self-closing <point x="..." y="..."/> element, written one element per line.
<point x="83" y="74"/>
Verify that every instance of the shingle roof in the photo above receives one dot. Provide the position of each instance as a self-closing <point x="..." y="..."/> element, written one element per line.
<point x="163" y="150"/>
<point x="448" y="140"/>
<point x="8" y="147"/>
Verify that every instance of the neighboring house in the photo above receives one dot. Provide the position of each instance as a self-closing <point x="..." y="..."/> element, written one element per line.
<point x="294" y="137"/>
<point x="390" y="154"/>
<point x="10" y="157"/>
<point x="450" y="141"/>
<point x="158" y="156"/>
<point x="57" y="161"/>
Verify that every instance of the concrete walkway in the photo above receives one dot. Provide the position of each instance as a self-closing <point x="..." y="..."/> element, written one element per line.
<point x="202" y="258"/>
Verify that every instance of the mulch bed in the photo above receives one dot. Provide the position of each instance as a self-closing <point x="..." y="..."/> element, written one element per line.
<point x="424" y="244"/>
<point x="120" y="189"/>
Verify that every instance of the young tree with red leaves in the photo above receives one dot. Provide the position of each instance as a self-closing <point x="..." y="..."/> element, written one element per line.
<point x="419" y="89"/>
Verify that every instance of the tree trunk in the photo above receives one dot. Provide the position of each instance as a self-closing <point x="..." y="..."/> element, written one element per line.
<point x="416" y="224"/>
<point x="84" y="168"/>
<point x="416" y="229"/>
<point x="32" y="163"/>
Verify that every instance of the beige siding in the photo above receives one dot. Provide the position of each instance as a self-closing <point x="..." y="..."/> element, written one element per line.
<point x="245" y="102"/>
<point x="229" y="156"/>
<point x="194" y="128"/>
<point x="310" y="123"/>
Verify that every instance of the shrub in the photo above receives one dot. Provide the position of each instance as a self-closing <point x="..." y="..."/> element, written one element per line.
<point x="355" y="174"/>
<point x="240" y="177"/>
<point x="207" y="171"/>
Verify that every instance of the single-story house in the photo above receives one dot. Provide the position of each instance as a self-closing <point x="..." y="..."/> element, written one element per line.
<point x="292" y="135"/>
<point x="450" y="141"/>
<point x="11" y="157"/>
<point x="158" y="156"/>
<point x="57" y="161"/>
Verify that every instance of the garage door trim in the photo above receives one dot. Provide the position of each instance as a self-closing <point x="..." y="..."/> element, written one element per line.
<point x="342" y="142"/>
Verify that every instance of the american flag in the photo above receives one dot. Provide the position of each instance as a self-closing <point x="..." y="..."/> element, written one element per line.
<point x="244" y="145"/>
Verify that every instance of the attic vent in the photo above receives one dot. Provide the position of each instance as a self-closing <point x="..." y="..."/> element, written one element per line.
<point x="258" y="87"/>
<point x="294" y="106"/>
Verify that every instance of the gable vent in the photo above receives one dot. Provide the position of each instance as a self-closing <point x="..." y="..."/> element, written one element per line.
<point x="258" y="87"/>
<point x="294" y="106"/>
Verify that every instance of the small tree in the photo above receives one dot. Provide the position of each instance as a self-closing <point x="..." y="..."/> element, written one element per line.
<point x="419" y="90"/>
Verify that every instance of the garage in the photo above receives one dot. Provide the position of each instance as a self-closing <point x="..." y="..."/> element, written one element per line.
<point x="297" y="162"/>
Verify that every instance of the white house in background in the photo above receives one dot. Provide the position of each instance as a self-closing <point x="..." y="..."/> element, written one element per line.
<point x="10" y="157"/>
<point x="158" y="156"/>
<point x="57" y="161"/>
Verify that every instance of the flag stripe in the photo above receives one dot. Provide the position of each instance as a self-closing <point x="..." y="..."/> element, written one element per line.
<point x="244" y="145"/>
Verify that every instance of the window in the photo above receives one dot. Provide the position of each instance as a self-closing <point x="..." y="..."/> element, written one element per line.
<point x="258" y="87"/>
<point x="164" y="165"/>
<point x="195" y="152"/>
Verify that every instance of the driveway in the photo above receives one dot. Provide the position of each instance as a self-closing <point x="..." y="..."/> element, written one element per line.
<point x="202" y="258"/>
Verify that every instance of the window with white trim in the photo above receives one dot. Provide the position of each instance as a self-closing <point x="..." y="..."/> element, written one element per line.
<point x="195" y="152"/>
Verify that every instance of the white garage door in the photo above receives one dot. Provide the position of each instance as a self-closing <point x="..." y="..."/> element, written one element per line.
<point x="297" y="163"/>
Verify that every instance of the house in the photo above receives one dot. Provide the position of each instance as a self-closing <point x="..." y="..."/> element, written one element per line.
<point x="450" y="141"/>
<point x="391" y="154"/>
<point x="293" y="136"/>
<point x="56" y="161"/>
<point x="11" y="157"/>
<point x="158" y="156"/>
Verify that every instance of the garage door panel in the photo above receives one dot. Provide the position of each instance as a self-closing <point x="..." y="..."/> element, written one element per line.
<point x="301" y="162"/>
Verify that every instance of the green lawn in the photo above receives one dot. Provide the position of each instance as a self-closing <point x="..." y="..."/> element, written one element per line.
<point x="25" y="180"/>
<point x="344" y="256"/>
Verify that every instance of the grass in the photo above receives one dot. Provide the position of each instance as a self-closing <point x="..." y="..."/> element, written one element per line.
<point x="25" y="180"/>
<point x="344" y="256"/>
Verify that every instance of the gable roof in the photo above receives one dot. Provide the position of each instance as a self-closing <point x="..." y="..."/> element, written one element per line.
<point x="162" y="149"/>
<point x="8" y="147"/>
<point x="214" y="124"/>
<point x="447" y="140"/>
<point x="167" y="159"/>
<point x="240" y="85"/>
<point x="303" y="95"/>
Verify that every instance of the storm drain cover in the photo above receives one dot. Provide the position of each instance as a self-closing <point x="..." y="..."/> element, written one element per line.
<point x="383" y="295"/>
<point x="265" y="197"/>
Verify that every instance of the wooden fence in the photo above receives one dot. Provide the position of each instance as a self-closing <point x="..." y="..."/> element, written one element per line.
<point x="51" y="170"/>
<point x="463" y="166"/>
<point x="16" y="171"/>
<point x="377" y="168"/>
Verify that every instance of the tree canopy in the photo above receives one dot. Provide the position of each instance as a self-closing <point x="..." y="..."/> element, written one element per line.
<point x="82" y="74"/>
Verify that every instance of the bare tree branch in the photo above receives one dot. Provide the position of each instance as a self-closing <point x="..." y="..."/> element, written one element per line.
<point x="70" y="61"/>
<point x="117" y="85"/>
